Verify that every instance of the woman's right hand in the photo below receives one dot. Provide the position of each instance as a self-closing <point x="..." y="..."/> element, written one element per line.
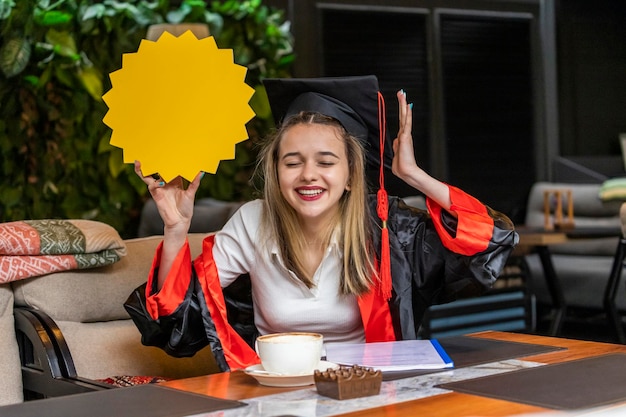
<point x="175" y="205"/>
<point x="174" y="202"/>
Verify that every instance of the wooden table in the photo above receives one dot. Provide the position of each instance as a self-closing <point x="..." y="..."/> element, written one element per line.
<point x="239" y="386"/>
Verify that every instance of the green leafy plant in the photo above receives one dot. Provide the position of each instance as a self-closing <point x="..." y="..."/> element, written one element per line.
<point x="55" y="57"/>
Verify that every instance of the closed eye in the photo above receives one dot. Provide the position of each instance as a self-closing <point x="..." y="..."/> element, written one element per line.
<point x="324" y="159"/>
<point x="327" y="159"/>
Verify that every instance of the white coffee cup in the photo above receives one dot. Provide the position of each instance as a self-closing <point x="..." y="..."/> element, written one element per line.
<point x="295" y="353"/>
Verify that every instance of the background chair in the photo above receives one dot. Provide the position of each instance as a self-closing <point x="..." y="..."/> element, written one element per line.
<point x="582" y="264"/>
<point x="611" y="290"/>
<point x="209" y="215"/>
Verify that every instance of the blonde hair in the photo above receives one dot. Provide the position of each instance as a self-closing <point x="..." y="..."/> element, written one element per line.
<point x="280" y="222"/>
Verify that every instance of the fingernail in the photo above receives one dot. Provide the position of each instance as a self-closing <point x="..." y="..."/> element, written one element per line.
<point x="411" y="106"/>
<point x="161" y="183"/>
<point x="202" y="174"/>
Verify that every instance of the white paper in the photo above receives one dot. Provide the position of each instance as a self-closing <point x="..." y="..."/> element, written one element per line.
<point x="391" y="356"/>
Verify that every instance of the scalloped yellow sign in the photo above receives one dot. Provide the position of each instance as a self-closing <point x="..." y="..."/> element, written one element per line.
<point x="179" y="105"/>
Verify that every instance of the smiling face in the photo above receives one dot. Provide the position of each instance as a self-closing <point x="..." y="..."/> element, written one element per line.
<point x="313" y="171"/>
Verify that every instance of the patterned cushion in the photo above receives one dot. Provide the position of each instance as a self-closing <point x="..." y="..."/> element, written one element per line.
<point x="613" y="189"/>
<point x="39" y="247"/>
<point x="129" y="380"/>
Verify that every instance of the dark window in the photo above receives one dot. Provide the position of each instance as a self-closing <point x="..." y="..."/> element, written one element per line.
<point x="488" y="106"/>
<point x="391" y="46"/>
<point x="470" y="79"/>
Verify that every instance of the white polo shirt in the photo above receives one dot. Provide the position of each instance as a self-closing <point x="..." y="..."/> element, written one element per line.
<point x="282" y="302"/>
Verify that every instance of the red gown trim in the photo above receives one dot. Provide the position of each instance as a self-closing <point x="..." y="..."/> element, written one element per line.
<point x="376" y="316"/>
<point x="167" y="300"/>
<point x="237" y="352"/>
<point x="474" y="227"/>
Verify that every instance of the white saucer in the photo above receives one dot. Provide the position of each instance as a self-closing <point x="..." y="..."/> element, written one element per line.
<point x="286" y="380"/>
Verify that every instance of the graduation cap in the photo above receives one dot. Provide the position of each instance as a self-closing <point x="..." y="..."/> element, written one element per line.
<point x="358" y="105"/>
<point x="353" y="101"/>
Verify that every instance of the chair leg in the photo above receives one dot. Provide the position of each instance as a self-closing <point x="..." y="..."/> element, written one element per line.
<point x="610" y="292"/>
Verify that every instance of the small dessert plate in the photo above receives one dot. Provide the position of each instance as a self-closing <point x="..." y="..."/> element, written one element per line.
<point x="270" y="380"/>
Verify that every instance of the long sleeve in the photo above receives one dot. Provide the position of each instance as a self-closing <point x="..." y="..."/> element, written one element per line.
<point x="166" y="319"/>
<point x="437" y="258"/>
<point x="191" y="311"/>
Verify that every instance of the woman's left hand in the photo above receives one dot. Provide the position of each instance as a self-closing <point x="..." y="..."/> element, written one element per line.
<point x="404" y="163"/>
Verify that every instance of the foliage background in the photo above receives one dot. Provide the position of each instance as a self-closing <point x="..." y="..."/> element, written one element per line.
<point x="55" y="57"/>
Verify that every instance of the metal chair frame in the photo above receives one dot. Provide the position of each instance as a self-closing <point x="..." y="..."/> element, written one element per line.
<point x="47" y="366"/>
<point x="610" y="293"/>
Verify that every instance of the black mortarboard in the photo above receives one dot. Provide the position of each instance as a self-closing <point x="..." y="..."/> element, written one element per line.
<point x="358" y="105"/>
<point x="353" y="101"/>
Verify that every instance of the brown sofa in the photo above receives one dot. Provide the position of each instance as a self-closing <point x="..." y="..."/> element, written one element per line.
<point x="11" y="387"/>
<point x="92" y="335"/>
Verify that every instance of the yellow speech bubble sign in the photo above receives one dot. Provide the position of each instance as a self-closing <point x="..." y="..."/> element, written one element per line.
<point x="179" y="105"/>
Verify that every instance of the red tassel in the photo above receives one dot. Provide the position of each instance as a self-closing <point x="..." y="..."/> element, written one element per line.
<point x="385" y="265"/>
<point x="384" y="273"/>
<point x="382" y="209"/>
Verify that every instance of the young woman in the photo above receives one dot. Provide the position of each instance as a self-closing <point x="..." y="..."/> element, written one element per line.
<point x="311" y="248"/>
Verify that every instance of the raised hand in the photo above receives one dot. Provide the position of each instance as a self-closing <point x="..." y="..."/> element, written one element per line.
<point x="174" y="202"/>
<point x="175" y="205"/>
<point x="404" y="164"/>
